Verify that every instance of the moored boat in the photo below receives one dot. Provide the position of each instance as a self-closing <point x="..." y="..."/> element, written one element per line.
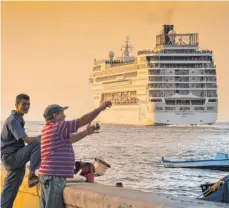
<point x="220" y="162"/>
<point x="217" y="192"/>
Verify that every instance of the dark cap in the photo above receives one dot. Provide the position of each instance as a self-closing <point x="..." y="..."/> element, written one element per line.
<point x="51" y="109"/>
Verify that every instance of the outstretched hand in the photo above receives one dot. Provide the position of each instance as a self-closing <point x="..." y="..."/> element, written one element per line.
<point x="106" y="104"/>
<point x="91" y="129"/>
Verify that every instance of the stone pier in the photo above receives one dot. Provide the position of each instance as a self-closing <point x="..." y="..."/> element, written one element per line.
<point x="94" y="195"/>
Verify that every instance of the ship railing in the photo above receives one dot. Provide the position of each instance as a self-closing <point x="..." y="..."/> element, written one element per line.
<point x="211" y="85"/>
<point x="179" y="59"/>
<point x="182" y="46"/>
<point x="213" y="73"/>
<point x="156" y="95"/>
<point x="177" y="51"/>
<point x="195" y="77"/>
<point x="181" y="73"/>
<point x="158" y="73"/>
<point x="180" y="81"/>
<point x="212" y="95"/>
<point x="181" y="87"/>
<point x="197" y="86"/>
<point x="208" y="79"/>
<point x="180" y="68"/>
<point x="196" y="66"/>
<point x="97" y="62"/>
<point x="184" y="61"/>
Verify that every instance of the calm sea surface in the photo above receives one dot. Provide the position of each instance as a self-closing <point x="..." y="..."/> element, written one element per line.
<point x="135" y="155"/>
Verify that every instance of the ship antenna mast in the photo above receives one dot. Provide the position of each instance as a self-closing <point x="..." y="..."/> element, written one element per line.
<point x="126" y="47"/>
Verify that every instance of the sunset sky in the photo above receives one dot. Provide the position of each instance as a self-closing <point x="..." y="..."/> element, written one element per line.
<point x="48" y="48"/>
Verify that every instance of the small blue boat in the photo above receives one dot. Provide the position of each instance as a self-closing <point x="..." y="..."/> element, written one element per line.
<point x="220" y="162"/>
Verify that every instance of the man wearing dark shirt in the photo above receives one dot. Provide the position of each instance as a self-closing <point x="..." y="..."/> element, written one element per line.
<point x="15" y="154"/>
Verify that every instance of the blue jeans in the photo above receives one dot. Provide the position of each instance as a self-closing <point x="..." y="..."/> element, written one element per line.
<point x="52" y="188"/>
<point x="15" y="163"/>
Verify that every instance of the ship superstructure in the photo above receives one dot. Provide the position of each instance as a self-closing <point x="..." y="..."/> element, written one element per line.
<point x="175" y="83"/>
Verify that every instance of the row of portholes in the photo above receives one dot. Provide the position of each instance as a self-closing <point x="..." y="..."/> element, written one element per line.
<point x="159" y="108"/>
<point x="121" y="98"/>
<point x="123" y="102"/>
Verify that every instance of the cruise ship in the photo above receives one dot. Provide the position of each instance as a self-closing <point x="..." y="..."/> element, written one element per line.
<point x="173" y="83"/>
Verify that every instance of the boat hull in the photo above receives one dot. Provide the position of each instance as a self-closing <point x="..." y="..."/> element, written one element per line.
<point x="222" y="165"/>
<point x="220" y="194"/>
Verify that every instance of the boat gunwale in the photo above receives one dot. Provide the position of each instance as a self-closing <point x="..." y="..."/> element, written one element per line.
<point x="192" y="161"/>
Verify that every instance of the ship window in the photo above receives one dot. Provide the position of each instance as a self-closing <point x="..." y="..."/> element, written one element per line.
<point x="187" y="102"/>
<point x="198" y="102"/>
<point x="170" y="102"/>
<point x="199" y="108"/>
<point x="159" y="108"/>
<point x="212" y="100"/>
<point x="170" y="108"/>
<point x="210" y="108"/>
<point x="156" y="100"/>
<point x="184" y="108"/>
<point x="183" y="102"/>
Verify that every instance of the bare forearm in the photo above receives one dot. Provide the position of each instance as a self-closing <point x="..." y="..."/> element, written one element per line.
<point x="30" y="140"/>
<point x="77" y="137"/>
<point x="89" y="117"/>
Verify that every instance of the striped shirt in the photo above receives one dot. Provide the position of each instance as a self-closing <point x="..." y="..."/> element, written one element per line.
<point x="57" y="154"/>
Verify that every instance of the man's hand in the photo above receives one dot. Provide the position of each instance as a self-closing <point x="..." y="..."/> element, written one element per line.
<point x="91" y="129"/>
<point x="89" y="117"/>
<point x="106" y="104"/>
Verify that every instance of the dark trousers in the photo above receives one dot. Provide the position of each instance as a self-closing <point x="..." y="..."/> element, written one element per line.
<point x="15" y="166"/>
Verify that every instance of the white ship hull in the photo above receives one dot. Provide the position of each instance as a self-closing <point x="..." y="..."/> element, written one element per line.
<point x="185" y="118"/>
<point x="134" y="115"/>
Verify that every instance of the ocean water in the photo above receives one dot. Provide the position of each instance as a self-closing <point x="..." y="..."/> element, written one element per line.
<point x="134" y="154"/>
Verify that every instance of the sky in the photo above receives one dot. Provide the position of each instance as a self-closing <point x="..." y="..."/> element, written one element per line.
<point x="48" y="48"/>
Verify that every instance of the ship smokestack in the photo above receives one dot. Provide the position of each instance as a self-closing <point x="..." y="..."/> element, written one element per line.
<point x="166" y="29"/>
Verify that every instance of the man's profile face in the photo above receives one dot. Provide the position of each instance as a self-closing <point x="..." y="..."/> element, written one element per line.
<point x="23" y="106"/>
<point x="60" y="116"/>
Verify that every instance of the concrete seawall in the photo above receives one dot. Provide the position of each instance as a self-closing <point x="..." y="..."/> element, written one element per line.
<point x="93" y="195"/>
